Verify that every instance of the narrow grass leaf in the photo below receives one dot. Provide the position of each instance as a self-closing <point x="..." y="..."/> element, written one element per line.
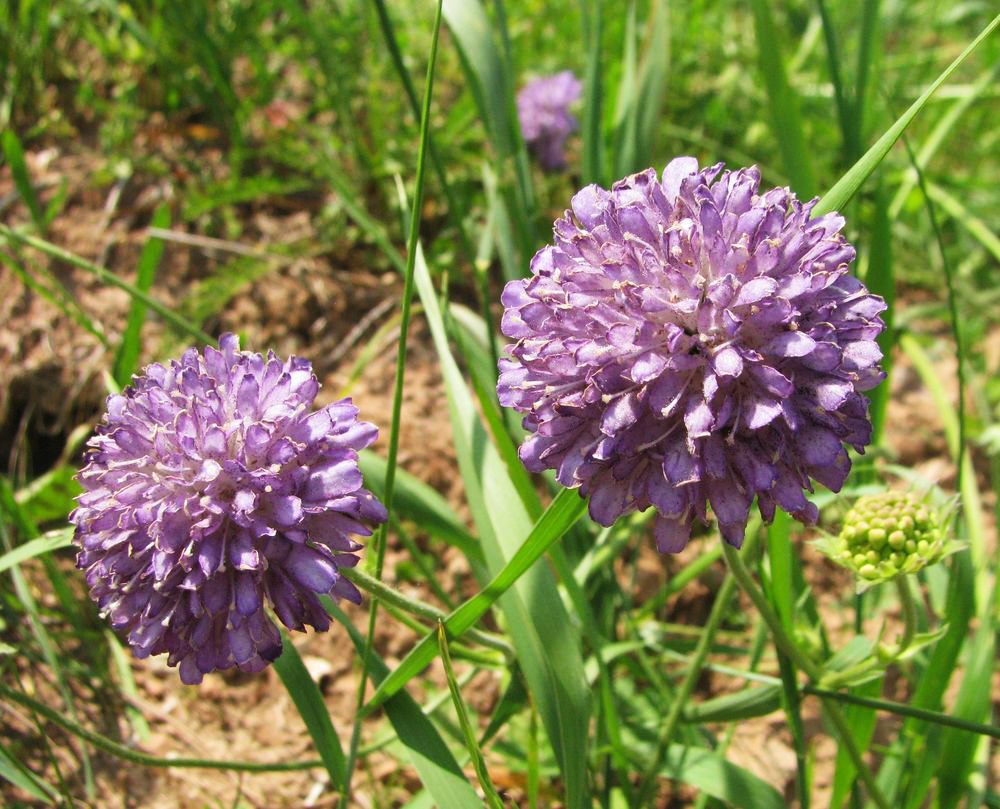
<point x="838" y="196"/>
<point x="784" y="103"/>
<point x="431" y="757"/>
<point x="973" y="702"/>
<point x="416" y="501"/>
<point x="548" y="653"/>
<point x="14" y="155"/>
<point x="52" y="541"/>
<point x="880" y="280"/>
<point x="14" y="772"/>
<point x="563" y="511"/>
<point x="593" y="93"/>
<point x="309" y="703"/>
<point x="468" y="733"/>
<point x="108" y="277"/>
<point x="127" y="357"/>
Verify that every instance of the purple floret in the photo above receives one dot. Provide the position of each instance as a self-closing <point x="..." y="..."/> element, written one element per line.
<point x="212" y="492"/>
<point x="689" y="341"/>
<point x="543" y="110"/>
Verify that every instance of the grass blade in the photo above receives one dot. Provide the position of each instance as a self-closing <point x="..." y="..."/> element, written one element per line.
<point x="171" y="317"/>
<point x="380" y="540"/>
<point x="11" y="770"/>
<point x="14" y="155"/>
<point x="549" y="655"/>
<point x="838" y="196"/>
<point x="563" y="511"/>
<point x="309" y="703"/>
<point x="593" y="90"/>
<point x="54" y="540"/>
<point x="127" y="356"/>
<point x="784" y="104"/>
<point x="492" y="798"/>
<point x="431" y="757"/>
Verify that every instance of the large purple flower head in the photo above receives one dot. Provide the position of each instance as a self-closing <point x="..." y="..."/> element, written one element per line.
<point x="689" y="340"/>
<point x="213" y="491"/>
<point x="543" y="110"/>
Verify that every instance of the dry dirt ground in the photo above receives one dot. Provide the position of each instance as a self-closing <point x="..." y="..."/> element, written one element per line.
<point x="50" y="381"/>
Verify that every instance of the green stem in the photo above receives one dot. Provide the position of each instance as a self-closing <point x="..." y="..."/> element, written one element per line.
<point x="390" y="595"/>
<point x="381" y="537"/>
<point x="909" y="606"/>
<point x="680" y="699"/>
<point x="108" y="277"/>
<point x="137" y="757"/>
<point x="811" y="669"/>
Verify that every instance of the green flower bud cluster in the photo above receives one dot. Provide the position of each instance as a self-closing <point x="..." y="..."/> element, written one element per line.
<point x="887" y="534"/>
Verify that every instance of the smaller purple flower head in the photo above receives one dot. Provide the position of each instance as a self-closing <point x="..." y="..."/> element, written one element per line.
<point x="690" y="340"/>
<point x="213" y="492"/>
<point x="543" y="110"/>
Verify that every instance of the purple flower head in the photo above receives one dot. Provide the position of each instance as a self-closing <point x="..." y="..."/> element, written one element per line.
<point x="689" y="340"/>
<point x="211" y="492"/>
<point x="543" y="110"/>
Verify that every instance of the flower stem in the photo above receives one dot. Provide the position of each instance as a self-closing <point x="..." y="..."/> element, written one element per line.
<point x="421" y="609"/>
<point x="811" y="669"/>
<point x="136" y="756"/>
<point x="909" y="614"/>
<point x="381" y="537"/>
<point x="683" y="694"/>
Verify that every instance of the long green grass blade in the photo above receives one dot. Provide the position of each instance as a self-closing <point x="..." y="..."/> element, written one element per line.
<point x="14" y="155"/>
<point x="107" y="277"/>
<point x="127" y="356"/>
<point x="52" y="541"/>
<point x="309" y="703"/>
<point x="784" y="103"/>
<point x="12" y="771"/>
<point x="593" y="94"/>
<point x="469" y="734"/>
<point x="837" y="197"/>
<point x="381" y="537"/>
<point x="548" y="653"/>
<point x="563" y="511"/>
<point x="431" y="757"/>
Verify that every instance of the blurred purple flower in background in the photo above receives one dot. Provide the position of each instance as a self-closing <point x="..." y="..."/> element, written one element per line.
<point x="211" y="492"/>
<point x="543" y="110"/>
<point x="691" y="341"/>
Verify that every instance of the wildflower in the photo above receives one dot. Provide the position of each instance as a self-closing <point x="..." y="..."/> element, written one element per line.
<point x="887" y="534"/>
<point x="543" y="110"/>
<point x="688" y="341"/>
<point x="211" y="492"/>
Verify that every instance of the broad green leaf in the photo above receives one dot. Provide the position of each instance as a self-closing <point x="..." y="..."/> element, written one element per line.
<point x="309" y="703"/>
<point x="715" y="776"/>
<point x="50" y="496"/>
<point x="431" y="757"/>
<point x="837" y="197"/>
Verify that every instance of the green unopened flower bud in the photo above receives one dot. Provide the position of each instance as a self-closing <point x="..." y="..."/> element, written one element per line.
<point x="885" y="535"/>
